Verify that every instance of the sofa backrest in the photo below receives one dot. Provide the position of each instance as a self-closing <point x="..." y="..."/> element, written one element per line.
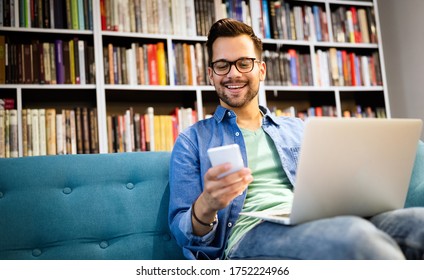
<point x="97" y="206"/>
<point x="415" y="195"/>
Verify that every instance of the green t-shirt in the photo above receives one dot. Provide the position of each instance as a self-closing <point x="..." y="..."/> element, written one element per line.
<point x="270" y="189"/>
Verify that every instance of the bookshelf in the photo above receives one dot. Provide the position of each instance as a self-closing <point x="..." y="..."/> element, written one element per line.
<point x="139" y="61"/>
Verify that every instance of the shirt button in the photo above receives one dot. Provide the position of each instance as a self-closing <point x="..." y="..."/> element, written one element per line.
<point x="237" y="133"/>
<point x="230" y="224"/>
<point x="229" y="114"/>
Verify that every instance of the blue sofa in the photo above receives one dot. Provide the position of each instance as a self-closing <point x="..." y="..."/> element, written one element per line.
<point x="99" y="206"/>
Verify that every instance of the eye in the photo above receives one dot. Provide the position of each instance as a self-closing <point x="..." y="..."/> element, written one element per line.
<point x="244" y="63"/>
<point x="221" y="65"/>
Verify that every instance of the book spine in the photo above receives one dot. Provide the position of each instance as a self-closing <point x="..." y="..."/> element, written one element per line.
<point x="82" y="66"/>
<point x="13" y="132"/>
<point x="60" y="67"/>
<point x="53" y="71"/>
<point x="81" y="17"/>
<point x="51" y="131"/>
<point x="2" y="132"/>
<point x="59" y="134"/>
<point x="72" y="61"/>
<point x="74" y="14"/>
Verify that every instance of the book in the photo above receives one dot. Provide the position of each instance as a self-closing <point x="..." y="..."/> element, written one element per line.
<point x="2" y="59"/>
<point x="161" y="63"/>
<point x="42" y="132"/>
<point x="51" y="131"/>
<point x="85" y="130"/>
<point x="363" y="26"/>
<point x="128" y="147"/>
<point x="60" y="67"/>
<point x="59" y="14"/>
<point x="13" y="133"/>
<point x="35" y="132"/>
<point x="76" y="61"/>
<point x="72" y="67"/>
<point x="110" y="137"/>
<point x="24" y="133"/>
<point x="7" y="133"/>
<point x="74" y="15"/>
<point x="81" y="15"/>
<point x="53" y="72"/>
<point x="137" y="132"/>
<point x="79" y="130"/>
<point x="46" y="62"/>
<point x="60" y="134"/>
<point x="66" y="62"/>
<point x="29" y="132"/>
<point x="2" y="132"/>
<point x="73" y="132"/>
<point x="94" y="138"/>
<point x="81" y="62"/>
<point x="152" y="64"/>
<point x="150" y="128"/>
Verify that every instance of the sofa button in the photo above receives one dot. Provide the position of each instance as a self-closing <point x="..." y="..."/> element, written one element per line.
<point x="36" y="252"/>
<point x="67" y="190"/>
<point x="130" y="186"/>
<point x="103" y="244"/>
<point x="1" y="194"/>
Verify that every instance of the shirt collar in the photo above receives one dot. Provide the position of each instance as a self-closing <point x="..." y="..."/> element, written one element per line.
<point x="221" y="112"/>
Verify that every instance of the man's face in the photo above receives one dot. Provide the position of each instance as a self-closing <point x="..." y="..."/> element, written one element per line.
<point x="236" y="89"/>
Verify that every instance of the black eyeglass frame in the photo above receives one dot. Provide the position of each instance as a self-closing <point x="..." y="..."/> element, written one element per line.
<point x="231" y="63"/>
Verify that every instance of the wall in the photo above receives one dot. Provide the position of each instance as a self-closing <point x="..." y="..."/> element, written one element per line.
<point x="402" y="32"/>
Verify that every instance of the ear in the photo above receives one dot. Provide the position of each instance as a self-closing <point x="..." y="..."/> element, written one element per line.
<point x="262" y="71"/>
<point x="210" y="75"/>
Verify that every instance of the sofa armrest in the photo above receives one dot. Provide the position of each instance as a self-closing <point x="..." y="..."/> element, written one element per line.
<point x="415" y="195"/>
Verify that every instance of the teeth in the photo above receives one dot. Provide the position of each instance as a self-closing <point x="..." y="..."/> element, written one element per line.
<point x="234" y="87"/>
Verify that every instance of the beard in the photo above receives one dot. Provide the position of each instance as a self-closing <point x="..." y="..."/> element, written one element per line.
<point x="239" y="102"/>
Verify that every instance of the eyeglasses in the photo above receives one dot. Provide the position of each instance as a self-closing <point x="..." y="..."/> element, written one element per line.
<point x="243" y="65"/>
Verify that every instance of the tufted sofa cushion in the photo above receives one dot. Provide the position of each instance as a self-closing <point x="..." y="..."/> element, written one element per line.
<point x="103" y="206"/>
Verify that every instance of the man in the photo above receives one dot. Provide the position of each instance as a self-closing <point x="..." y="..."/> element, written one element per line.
<point x="204" y="210"/>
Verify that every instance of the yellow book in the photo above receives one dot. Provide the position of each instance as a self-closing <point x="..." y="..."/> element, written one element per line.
<point x="161" y="63"/>
<point x="72" y="61"/>
<point x="169" y="134"/>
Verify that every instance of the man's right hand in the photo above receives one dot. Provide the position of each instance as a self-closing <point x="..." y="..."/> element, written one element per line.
<point x="218" y="193"/>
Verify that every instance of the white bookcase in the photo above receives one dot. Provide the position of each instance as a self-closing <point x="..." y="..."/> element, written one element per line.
<point x="111" y="99"/>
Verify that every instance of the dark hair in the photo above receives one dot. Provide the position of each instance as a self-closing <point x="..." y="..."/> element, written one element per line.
<point x="228" y="27"/>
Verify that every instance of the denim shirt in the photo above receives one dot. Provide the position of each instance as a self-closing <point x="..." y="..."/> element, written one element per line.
<point x="189" y="163"/>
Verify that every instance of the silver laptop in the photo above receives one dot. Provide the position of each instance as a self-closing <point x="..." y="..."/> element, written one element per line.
<point x="358" y="167"/>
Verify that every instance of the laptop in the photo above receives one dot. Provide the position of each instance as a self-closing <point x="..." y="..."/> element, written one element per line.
<point x="358" y="167"/>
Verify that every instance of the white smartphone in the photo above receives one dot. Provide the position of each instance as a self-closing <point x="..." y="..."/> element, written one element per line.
<point x="228" y="153"/>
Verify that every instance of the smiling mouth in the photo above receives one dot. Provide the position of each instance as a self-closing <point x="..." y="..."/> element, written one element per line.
<point x="238" y="86"/>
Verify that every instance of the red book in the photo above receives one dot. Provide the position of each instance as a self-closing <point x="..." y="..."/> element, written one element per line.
<point x="356" y="30"/>
<point x="103" y="14"/>
<point x="7" y="103"/>
<point x="346" y="76"/>
<point x="152" y="62"/>
<point x="352" y="69"/>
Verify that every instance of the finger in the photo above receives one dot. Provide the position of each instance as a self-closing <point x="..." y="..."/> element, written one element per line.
<point x="214" y="172"/>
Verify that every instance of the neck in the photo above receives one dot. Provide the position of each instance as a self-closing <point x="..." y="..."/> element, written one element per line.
<point x="251" y="120"/>
<point x="249" y="116"/>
